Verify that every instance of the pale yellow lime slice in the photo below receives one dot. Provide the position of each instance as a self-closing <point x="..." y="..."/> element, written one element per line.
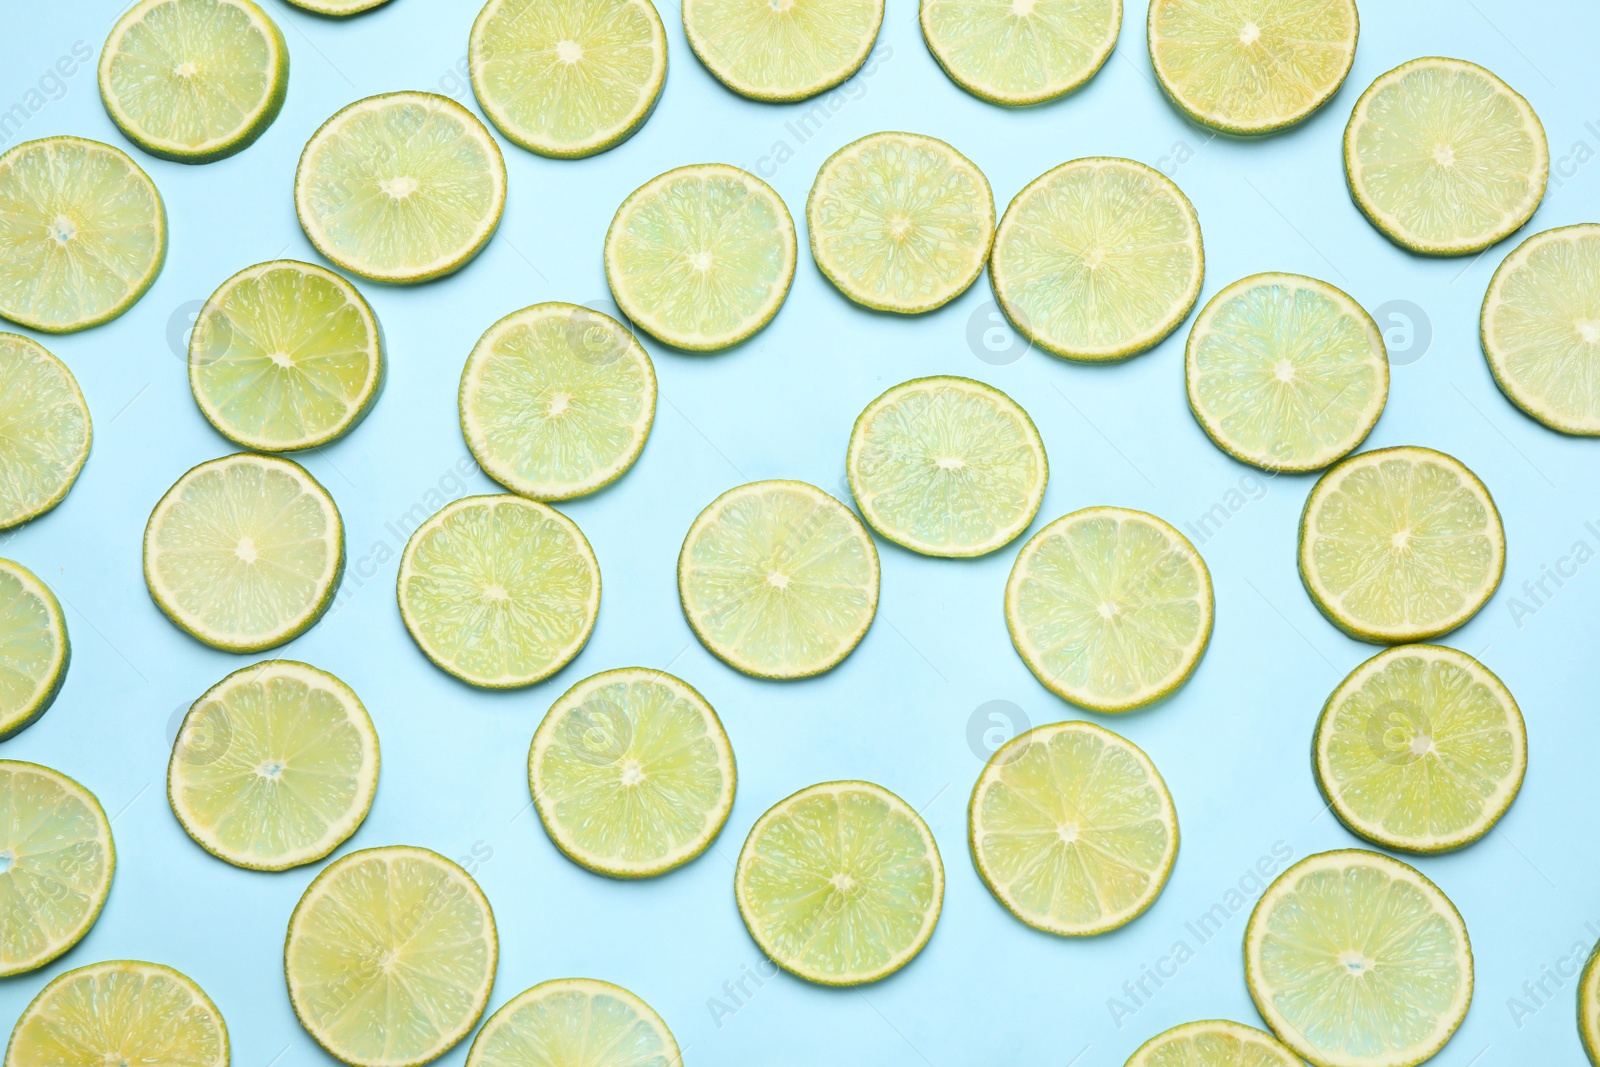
<point x="574" y="1022"/>
<point x="782" y="51"/>
<point x="1589" y="1006"/>
<point x="1018" y="53"/>
<point x="34" y="650"/>
<point x="337" y="8"/>
<point x="1213" y="1043"/>
<point x="44" y="430"/>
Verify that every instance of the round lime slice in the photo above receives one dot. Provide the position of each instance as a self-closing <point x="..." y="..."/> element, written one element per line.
<point x="120" y="1012"/>
<point x="1213" y="1043"/>
<point x="44" y="430"/>
<point x="34" y="650"/>
<point x="1589" y="1006"/>
<point x="574" y="1021"/>
<point x="337" y="8"/>
<point x="1020" y="52"/>
<point x="782" y="51"/>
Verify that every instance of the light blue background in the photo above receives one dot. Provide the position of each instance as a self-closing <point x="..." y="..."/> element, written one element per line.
<point x="1233" y="744"/>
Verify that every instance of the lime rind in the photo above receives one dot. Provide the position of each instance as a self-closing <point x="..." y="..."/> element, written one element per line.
<point x="30" y="616"/>
<point x="780" y="54"/>
<point x="1020" y="55"/>
<point x="1589" y="1006"/>
<point x="45" y="430"/>
<point x="337" y="9"/>
<point x="613" y="1025"/>
<point x="1213" y="1043"/>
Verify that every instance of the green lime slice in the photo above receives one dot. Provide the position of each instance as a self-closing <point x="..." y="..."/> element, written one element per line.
<point x="82" y="233"/>
<point x="1213" y="1043"/>
<point x="120" y="1012"/>
<point x="337" y="8"/>
<point x="782" y="51"/>
<point x="840" y="883"/>
<point x="580" y="1022"/>
<point x="34" y="650"/>
<point x="44" y="430"/>
<point x="1589" y="1006"/>
<point x="1021" y="52"/>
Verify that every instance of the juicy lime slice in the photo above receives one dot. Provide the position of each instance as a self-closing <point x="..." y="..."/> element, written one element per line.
<point x="402" y="187"/>
<point x="840" y="883"/>
<point x="1110" y="608"/>
<point x="1098" y="259"/>
<point x="557" y="401"/>
<point x="1444" y="157"/>
<point x="337" y="8"/>
<point x="34" y="650"/>
<point x="632" y="773"/>
<point x="1356" y="960"/>
<point x="1014" y="53"/>
<point x="82" y="233"/>
<point x="1286" y="372"/>
<point x="574" y="1022"/>
<point x="285" y="356"/>
<point x="390" y="956"/>
<point x="1213" y="1043"/>
<point x="56" y="860"/>
<point x="778" y="579"/>
<point x="244" y="552"/>
<point x="499" y="591"/>
<point x="120" y="1012"/>
<point x="44" y="430"/>
<point x="1421" y="748"/>
<point x="274" y="766"/>
<point x="781" y="52"/>
<point x="900" y="222"/>
<point x="1400" y="544"/>
<point x="701" y="257"/>
<point x="1589" y="1006"/>
<point x="568" y="78"/>
<point x="947" y="466"/>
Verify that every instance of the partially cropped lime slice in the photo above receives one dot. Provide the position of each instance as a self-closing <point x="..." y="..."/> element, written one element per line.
<point x="1356" y="960"/>
<point x="1098" y="259"/>
<point x="840" y="883"/>
<point x="244" y="552"/>
<point x="34" y="650"/>
<point x="1017" y="53"/>
<point x="337" y="8"/>
<point x="402" y="187"/>
<point x="120" y="1012"/>
<point x="782" y="51"/>
<point x="1213" y="1043"/>
<point x="701" y="257"/>
<point x="574" y="1022"/>
<point x="82" y="234"/>
<point x="44" y="430"/>
<point x="1589" y="1006"/>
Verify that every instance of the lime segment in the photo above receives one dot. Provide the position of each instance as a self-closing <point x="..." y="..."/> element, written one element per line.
<point x="1014" y="53"/>
<point x="782" y="52"/>
<point x="34" y="649"/>
<point x="44" y="430"/>
<point x="120" y="1012"/>
<point x="337" y="8"/>
<point x="575" y="1022"/>
<point x="1214" y="1043"/>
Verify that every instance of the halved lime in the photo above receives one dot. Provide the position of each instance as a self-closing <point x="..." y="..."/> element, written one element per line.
<point x="557" y="401"/>
<point x="1098" y="259"/>
<point x="402" y="187"/>
<point x="1400" y="545"/>
<point x="701" y="257"/>
<point x="34" y="650"/>
<point x="1356" y="960"/>
<point x="1110" y="608"/>
<point x="1021" y="52"/>
<point x="778" y="579"/>
<point x="840" y="883"/>
<point x="1213" y="1043"/>
<point x="390" y="956"/>
<point x="44" y="430"/>
<point x="632" y="773"/>
<point x="782" y="51"/>
<point x="337" y="8"/>
<point x="1286" y="372"/>
<point x="498" y="590"/>
<point x="1444" y="157"/>
<point x="574" y="1022"/>
<point x="82" y="233"/>
<point x="244" y="552"/>
<point x="1589" y="1006"/>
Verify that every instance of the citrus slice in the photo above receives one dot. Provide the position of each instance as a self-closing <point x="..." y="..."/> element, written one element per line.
<point x="1098" y="259"/>
<point x="34" y="650"/>
<point x="402" y="187"/>
<point x="337" y="8"/>
<point x="285" y="356"/>
<point x="570" y="78"/>
<point x="1021" y="53"/>
<point x="44" y="430"/>
<point x="701" y="257"/>
<point x="244" y="552"/>
<point x="778" y="579"/>
<point x="56" y="860"/>
<point x="1250" y="67"/>
<point x="120" y="1011"/>
<point x="1356" y="960"/>
<point x="1444" y="157"/>
<point x="900" y="222"/>
<point x="390" y="956"/>
<point x="1110" y="608"/>
<point x="82" y="233"/>
<point x="499" y="591"/>
<point x="1400" y="545"/>
<point x="1541" y="328"/>
<point x="1286" y="372"/>
<point x="1213" y="1043"/>
<point x="782" y="52"/>
<point x="947" y="466"/>
<point x="275" y="766"/>
<point x="632" y="773"/>
<point x="1589" y="1006"/>
<point x="557" y="401"/>
<point x="840" y="883"/>
<point x="574" y="1022"/>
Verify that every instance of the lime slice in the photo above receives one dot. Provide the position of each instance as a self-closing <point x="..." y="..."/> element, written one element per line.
<point x="1589" y="1006"/>
<point x="34" y="650"/>
<point x="499" y="591"/>
<point x="120" y="1012"/>
<point x="778" y="579"/>
<point x="337" y="8"/>
<point x="574" y="1022"/>
<point x="390" y="956"/>
<point x="1400" y="545"/>
<point x="1213" y="1043"/>
<point x="947" y="466"/>
<point x="244" y="552"/>
<point x="82" y="233"/>
<point x="782" y="52"/>
<point x="1021" y="53"/>
<point x="701" y="257"/>
<point x="1110" y="608"/>
<point x="44" y="430"/>
<point x="1356" y="960"/>
<point x="1444" y="157"/>
<point x="402" y="187"/>
<point x="568" y="78"/>
<point x="900" y="222"/>
<point x="274" y="766"/>
<point x="285" y="356"/>
<point x="632" y="773"/>
<point x="56" y="860"/>
<point x="840" y="883"/>
<point x="557" y="401"/>
<point x="1286" y="372"/>
<point x="1098" y="259"/>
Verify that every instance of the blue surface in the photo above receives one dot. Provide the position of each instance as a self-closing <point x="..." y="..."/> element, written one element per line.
<point x="907" y="708"/>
